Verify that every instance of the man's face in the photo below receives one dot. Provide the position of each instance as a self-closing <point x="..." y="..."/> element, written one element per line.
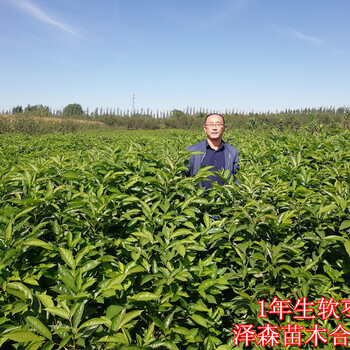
<point x="214" y="127"/>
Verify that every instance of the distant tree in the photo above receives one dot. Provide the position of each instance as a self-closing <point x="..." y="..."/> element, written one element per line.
<point x="38" y="110"/>
<point x="95" y="113"/>
<point x="73" y="110"/>
<point x="17" y="110"/>
<point x="175" y="113"/>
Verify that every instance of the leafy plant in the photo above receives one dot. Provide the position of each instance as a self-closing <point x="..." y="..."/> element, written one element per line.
<point x="104" y="244"/>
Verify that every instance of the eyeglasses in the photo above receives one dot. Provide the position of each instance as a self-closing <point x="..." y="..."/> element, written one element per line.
<point x="217" y="125"/>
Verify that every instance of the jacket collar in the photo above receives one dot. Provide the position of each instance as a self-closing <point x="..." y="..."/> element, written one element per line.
<point x="207" y="146"/>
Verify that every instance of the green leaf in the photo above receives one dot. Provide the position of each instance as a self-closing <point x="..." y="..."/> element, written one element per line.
<point x="64" y="341"/>
<point x="57" y="311"/>
<point x="128" y="317"/>
<point x="181" y="249"/>
<point x="334" y="238"/>
<point x="344" y="225"/>
<point x="31" y="281"/>
<point x="2" y="341"/>
<point x="70" y="175"/>
<point x="113" y="310"/>
<point x="180" y="232"/>
<point x="46" y="300"/>
<point x="38" y="326"/>
<point x="206" y="219"/>
<point x="205" y="285"/>
<point x="35" y="242"/>
<point x="82" y="253"/>
<point x="96" y="322"/>
<point x="23" y="336"/>
<point x="117" y="280"/>
<point x="8" y="231"/>
<point x="328" y="208"/>
<point x="56" y="228"/>
<point x="66" y="277"/>
<point x="167" y="344"/>
<point x="347" y="246"/>
<point x="146" y="209"/>
<point x="200" y="320"/>
<point x="19" y="306"/>
<point x="67" y="257"/>
<point x="144" y="296"/>
<point x="149" y="333"/>
<point x="78" y="314"/>
<point x="117" y="320"/>
<point x="168" y="320"/>
<point x="20" y="287"/>
<point x="23" y="212"/>
<point x="89" y="265"/>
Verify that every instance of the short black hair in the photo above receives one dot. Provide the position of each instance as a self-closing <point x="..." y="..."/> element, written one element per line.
<point x="205" y="120"/>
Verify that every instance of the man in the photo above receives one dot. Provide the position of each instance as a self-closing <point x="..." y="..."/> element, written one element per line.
<point x="215" y="151"/>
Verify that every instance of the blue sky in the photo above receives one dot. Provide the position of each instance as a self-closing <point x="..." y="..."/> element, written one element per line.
<point x="246" y="55"/>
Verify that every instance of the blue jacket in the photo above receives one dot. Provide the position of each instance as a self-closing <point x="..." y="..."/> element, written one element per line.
<point x="231" y="157"/>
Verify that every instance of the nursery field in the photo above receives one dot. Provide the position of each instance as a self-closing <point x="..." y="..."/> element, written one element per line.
<point x="105" y="244"/>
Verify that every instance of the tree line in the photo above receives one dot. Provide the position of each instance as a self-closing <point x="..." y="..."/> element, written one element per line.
<point x="190" y="118"/>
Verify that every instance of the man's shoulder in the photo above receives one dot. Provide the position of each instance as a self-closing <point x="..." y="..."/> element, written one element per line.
<point x="232" y="152"/>
<point x="200" y="146"/>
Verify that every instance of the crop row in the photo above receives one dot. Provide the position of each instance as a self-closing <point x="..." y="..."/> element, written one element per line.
<point x="105" y="244"/>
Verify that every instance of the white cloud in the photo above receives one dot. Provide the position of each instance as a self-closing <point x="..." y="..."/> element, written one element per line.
<point x="308" y="38"/>
<point x="34" y="11"/>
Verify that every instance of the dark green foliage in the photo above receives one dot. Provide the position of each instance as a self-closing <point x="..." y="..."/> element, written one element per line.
<point x="105" y="245"/>
<point x="17" y="110"/>
<point x="314" y="120"/>
<point x="32" y="125"/>
<point x="73" y="109"/>
<point x="37" y="110"/>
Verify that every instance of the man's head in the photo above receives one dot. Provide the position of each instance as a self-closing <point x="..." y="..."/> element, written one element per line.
<point x="214" y="126"/>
